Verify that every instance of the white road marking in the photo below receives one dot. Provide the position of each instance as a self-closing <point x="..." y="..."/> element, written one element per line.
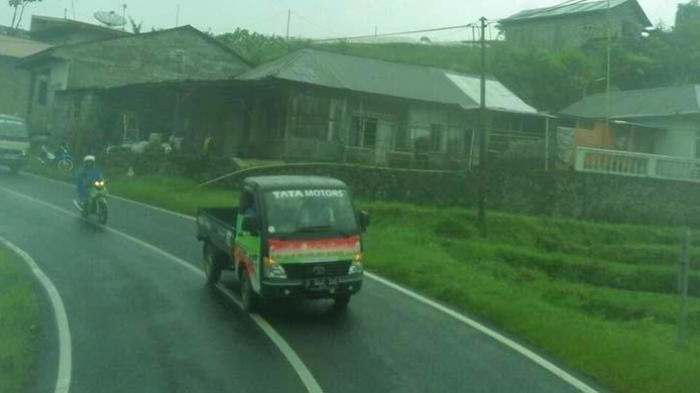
<point x="287" y="351"/>
<point x="527" y="353"/>
<point x="65" y="359"/>
<point x="295" y="361"/>
<point x="570" y="379"/>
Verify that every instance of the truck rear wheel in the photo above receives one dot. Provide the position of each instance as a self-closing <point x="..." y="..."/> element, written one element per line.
<point x="249" y="299"/>
<point x="212" y="264"/>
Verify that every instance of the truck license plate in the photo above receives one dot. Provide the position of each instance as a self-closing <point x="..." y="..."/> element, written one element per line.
<point x="320" y="284"/>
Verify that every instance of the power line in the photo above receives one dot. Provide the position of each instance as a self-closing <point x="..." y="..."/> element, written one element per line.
<point x="396" y="33"/>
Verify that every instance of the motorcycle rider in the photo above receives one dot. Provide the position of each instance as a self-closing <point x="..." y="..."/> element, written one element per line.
<point x="87" y="175"/>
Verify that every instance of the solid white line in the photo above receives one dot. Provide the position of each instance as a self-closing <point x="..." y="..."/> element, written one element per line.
<point x="537" y="359"/>
<point x="570" y="379"/>
<point x="295" y="361"/>
<point x="287" y="351"/>
<point x="65" y="362"/>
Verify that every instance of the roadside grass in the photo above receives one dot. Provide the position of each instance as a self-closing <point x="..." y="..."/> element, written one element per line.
<point x="599" y="298"/>
<point x="19" y="323"/>
<point x="176" y="194"/>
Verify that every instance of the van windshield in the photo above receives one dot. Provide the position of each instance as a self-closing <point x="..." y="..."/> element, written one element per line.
<point x="13" y="129"/>
<point x="302" y="211"/>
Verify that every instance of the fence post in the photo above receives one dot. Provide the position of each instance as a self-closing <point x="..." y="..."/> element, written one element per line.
<point x="651" y="167"/>
<point x="546" y="144"/>
<point x="683" y="289"/>
<point x="580" y="160"/>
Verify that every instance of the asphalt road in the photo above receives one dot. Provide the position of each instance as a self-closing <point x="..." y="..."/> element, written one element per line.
<point x="142" y="323"/>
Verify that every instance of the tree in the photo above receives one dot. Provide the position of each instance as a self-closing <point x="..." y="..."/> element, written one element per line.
<point x="260" y="48"/>
<point x="18" y="13"/>
<point x="688" y="13"/>
<point x="135" y="27"/>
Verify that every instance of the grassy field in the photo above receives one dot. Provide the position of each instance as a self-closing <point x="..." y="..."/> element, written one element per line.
<point x="19" y="323"/>
<point x="599" y="298"/>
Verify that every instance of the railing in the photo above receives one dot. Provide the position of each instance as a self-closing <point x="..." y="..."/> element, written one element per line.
<point x="626" y="163"/>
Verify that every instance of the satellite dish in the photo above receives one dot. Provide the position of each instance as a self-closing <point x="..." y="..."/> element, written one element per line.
<point x="110" y="18"/>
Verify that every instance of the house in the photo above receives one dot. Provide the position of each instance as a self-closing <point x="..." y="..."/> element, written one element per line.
<point x="573" y="24"/>
<point x="660" y="126"/>
<point x="14" y="94"/>
<point x="128" y="87"/>
<point x="63" y="31"/>
<point x="324" y="106"/>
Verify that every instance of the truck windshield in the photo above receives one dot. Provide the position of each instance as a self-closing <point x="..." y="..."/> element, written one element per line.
<point x="12" y="129"/>
<point x="308" y="211"/>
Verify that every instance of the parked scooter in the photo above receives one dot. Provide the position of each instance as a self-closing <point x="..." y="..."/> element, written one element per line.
<point x="62" y="159"/>
<point x="96" y="205"/>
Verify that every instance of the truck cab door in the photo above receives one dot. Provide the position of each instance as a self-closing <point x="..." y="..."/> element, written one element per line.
<point x="249" y="239"/>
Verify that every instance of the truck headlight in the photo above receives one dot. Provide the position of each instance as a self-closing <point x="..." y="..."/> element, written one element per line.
<point x="356" y="265"/>
<point x="273" y="269"/>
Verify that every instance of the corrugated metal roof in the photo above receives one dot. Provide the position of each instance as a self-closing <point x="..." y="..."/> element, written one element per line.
<point x="19" y="47"/>
<point x="565" y="10"/>
<point x="664" y="101"/>
<point x="390" y="79"/>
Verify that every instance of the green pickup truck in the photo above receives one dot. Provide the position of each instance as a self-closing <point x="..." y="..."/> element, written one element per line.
<point x="14" y="142"/>
<point x="290" y="236"/>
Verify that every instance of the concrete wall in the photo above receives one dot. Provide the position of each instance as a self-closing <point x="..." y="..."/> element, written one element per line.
<point x="74" y="37"/>
<point x="14" y="90"/>
<point x="175" y="55"/>
<point x="56" y="74"/>
<point x="181" y="54"/>
<point x="573" y="31"/>
<point x="680" y="140"/>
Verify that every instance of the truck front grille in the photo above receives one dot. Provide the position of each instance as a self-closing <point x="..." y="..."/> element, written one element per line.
<point x="322" y="269"/>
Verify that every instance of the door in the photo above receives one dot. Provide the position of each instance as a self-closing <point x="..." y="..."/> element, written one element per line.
<point x="248" y="242"/>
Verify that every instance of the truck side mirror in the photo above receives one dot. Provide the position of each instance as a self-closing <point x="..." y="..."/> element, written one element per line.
<point x="364" y="220"/>
<point x="251" y="224"/>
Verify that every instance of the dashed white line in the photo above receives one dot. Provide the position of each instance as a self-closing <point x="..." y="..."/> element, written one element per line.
<point x="287" y="351"/>
<point x="65" y="357"/>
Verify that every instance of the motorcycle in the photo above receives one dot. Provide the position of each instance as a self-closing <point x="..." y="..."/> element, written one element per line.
<point x="62" y="159"/>
<point x="96" y="204"/>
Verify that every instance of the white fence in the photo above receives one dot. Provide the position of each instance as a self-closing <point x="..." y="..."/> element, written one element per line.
<point x="615" y="162"/>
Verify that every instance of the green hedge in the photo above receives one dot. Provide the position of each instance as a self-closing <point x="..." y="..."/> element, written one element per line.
<point x="518" y="186"/>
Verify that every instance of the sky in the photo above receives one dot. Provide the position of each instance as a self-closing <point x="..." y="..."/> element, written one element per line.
<point x="311" y="18"/>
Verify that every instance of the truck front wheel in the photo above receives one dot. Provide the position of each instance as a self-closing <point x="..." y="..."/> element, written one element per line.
<point x="249" y="299"/>
<point x="212" y="265"/>
<point x="340" y="302"/>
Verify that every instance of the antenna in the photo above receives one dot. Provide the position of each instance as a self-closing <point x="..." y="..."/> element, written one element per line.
<point x="124" y="16"/>
<point x="110" y="19"/>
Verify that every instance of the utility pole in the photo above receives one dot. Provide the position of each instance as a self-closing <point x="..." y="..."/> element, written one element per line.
<point x="72" y="8"/>
<point x="482" y="135"/>
<point x="124" y="16"/>
<point x="683" y="289"/>
<point x="289" y="22"/>
<point x="177" y="16"/>
<point x="609" y="66"/>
